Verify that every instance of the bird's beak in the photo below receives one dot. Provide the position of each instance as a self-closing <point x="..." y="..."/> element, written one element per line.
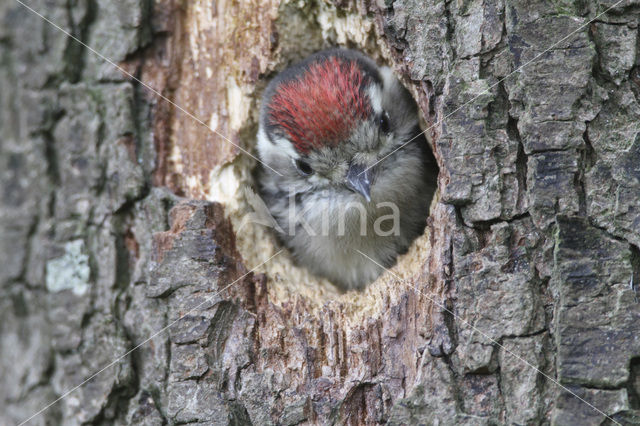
<point x="359" y="180"/>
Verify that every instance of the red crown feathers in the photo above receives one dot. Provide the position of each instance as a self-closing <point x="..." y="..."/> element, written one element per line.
<point x="321" y="106"/>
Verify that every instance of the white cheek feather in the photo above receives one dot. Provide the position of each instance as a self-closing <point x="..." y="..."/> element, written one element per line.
<point x="285" y="146"/>
<point x="375" y="96"/>
<point x="316" y="180"/>
<point x="388" y="79"/>
<point x="264" y="146"/>
<point x="267" y="149"/>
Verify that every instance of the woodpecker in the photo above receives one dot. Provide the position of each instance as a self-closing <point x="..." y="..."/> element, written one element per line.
<point x="348" y="192"/>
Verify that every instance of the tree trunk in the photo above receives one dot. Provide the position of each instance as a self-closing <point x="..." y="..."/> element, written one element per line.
<point x="126" y="243"/>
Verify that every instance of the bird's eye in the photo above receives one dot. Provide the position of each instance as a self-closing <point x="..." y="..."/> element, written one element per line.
<point x="303" y="168"/>
<point x="384" y="122"/>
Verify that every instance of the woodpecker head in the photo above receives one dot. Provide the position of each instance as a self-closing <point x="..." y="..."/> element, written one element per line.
<point x="327" y="121"/>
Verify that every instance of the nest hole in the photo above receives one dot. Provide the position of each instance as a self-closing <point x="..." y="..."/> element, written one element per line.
<point x="234" y="185"/>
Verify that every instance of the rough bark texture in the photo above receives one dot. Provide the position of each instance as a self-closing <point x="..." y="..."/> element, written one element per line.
<point x="106" y="234"/>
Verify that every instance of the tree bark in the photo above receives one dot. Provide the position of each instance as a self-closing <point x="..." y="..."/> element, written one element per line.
<point x="123" y="243"/>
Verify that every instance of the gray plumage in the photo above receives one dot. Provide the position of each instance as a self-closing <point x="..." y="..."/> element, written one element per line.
<point x="329" y="184"/>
